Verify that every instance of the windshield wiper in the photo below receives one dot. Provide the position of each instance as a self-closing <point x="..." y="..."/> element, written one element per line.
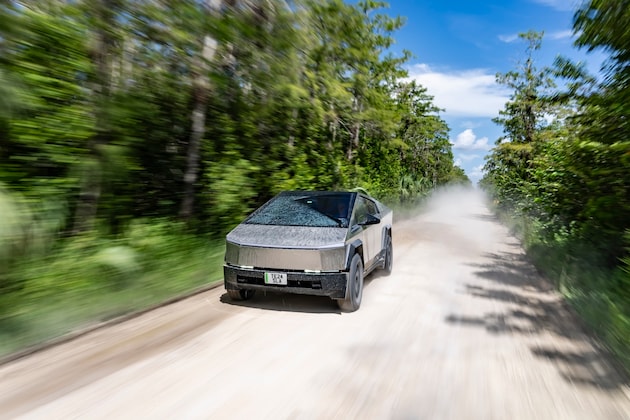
<point x="336" y="219"/>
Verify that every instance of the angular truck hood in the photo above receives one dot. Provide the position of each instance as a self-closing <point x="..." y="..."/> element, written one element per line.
<point x="287" y="236"/>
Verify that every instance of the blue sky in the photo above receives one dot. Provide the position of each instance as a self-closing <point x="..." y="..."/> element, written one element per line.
<point x="458" y="48"/>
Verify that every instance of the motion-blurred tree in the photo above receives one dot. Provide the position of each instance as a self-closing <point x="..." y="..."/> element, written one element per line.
<point x="603" y="123"/>
<point x="51" y="118"/>
<point x="116" y="107"/>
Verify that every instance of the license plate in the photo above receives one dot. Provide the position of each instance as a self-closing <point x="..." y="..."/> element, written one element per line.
<point x="276" y="278"/>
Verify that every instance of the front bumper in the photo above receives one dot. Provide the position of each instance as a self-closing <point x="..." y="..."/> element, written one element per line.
<point x="332" y="285"/>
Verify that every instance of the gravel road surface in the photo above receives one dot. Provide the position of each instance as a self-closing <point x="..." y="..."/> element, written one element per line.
<point x="464" y="328"/>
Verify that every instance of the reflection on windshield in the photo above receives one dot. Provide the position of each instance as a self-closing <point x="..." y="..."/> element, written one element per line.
<point x="313" y="210"/>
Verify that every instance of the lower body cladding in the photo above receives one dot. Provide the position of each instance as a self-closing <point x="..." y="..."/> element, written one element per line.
<point x="332" y="285"/>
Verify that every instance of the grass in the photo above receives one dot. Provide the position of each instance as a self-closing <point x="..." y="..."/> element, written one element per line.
<point x="89" y="279"/>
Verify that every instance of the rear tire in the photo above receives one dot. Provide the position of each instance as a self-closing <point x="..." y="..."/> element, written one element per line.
<point x="354" y="290"/>
<point x="241" y="294"/>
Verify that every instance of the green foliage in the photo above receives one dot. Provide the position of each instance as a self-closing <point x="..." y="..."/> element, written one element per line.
<point x="231" y="193"/>
<point x="459" y="177"/>
<point x="91" y="278"/>
<point x="624" y="283"/>
<point x="118" y="264"/>
<point x="567" y="181"/>
<point x="48" y="129"/>
<point x="27" y="231"/>
<point x="114" y="114"/>
<point x="107" y="97"/>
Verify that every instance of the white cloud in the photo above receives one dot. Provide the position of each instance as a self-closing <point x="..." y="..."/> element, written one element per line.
<point x="467" y="157"/>
<point x="458" y="162"/>
<point x="468" y="93"/>
<point x="468" y="140"/>
<point x="561" y="5"/>
<point x="554" y="36"/>
<point x="558" y="35"/>
<point x="508" y="38"/>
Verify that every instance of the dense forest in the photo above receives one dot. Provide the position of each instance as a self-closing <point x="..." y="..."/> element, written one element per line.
<point x="135" y="133"/>
<point x="115" y="110"/>
<point x="561" y="172"/>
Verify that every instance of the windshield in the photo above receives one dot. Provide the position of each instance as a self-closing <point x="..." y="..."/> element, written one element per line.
<point x="305" y="209"/>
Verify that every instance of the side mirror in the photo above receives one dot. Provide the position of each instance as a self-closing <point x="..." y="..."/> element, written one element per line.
<point x="370" y="220"/>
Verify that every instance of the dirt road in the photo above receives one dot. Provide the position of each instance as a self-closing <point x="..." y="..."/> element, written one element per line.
<point x="464" y="328"/>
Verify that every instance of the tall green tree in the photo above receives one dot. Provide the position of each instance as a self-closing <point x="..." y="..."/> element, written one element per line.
<point x="201" y="61"/>
<point x="50" y="117"/>
<point x="138" y="108"/>
<point x="102" y="18"/>
<point x="509" y="166"/>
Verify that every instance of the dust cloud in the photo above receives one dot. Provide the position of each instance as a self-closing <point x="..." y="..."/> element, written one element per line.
<point x="453" y="216"/>
<point x="451" y="204"/>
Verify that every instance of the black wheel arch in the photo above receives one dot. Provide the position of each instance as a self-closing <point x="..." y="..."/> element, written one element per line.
<point x="387" y="233"/>
<point x="355" y="247"/>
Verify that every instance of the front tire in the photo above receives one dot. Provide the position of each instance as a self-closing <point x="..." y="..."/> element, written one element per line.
<point x="354" y="291"/>
<point x="241" y="294"/>
<point x="388" y="264"/>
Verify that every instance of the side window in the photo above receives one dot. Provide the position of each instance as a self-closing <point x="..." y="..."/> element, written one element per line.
<point x="362" y="208"/>
<point x="371" y="207"/>
<point x="360" y="211"/>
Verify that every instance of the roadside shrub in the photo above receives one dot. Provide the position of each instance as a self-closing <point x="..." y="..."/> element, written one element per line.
<point x="232" y="189"/>
<point x="118" y="264"/>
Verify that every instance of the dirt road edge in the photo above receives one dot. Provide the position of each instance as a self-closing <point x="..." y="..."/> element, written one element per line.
<point x="36" y="348"/>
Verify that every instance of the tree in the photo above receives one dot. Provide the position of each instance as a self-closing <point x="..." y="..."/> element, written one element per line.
<point x="142" y="108"/>
<point x="103" y="23"/>
<point x="603" y="123"/>
<point x="426" y="151"/>
<point x="509" y="166"/>
<point x="51" y="121"/>
<point x="199" y="68"/>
